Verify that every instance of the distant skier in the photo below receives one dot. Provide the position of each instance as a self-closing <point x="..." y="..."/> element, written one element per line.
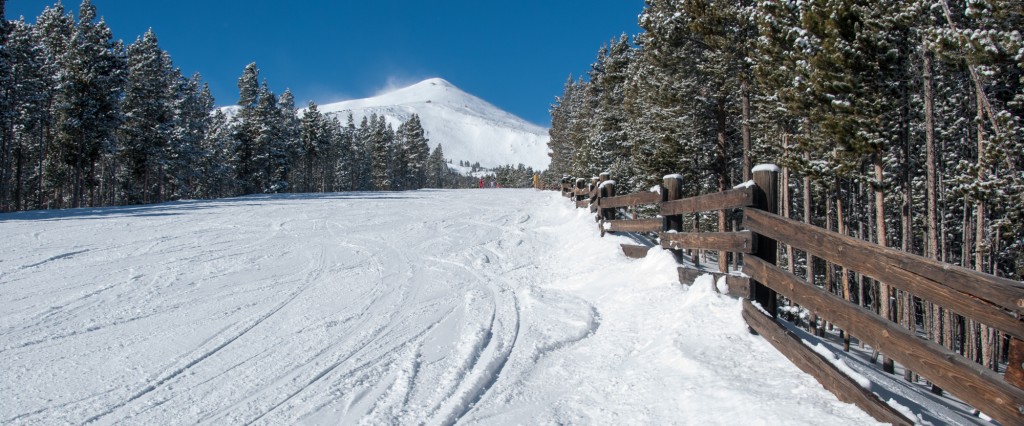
<point x="492" y="183"/>
<point x="481" y="183"/>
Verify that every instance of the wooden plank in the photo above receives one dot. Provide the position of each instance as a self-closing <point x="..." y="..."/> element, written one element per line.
<point x="805" y="358"/>
<point x="731" y="199"/>
<point x="967" y="380"/>
<point x="582" y="204"/>
<point x="630" y="200"/>
<point x="737" y="242"/>
<point x="739" y="286"/>
<point x="642" y="225"/>
<point x="996" y="290"/>
<point x="975" y="295"/>
<point x="634" y="251"/>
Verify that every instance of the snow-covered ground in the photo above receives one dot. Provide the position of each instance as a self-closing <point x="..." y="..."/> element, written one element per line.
<point x="436" y="307"/>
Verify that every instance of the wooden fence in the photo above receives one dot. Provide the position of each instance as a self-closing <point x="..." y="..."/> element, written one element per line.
<point x="990" y="300"/>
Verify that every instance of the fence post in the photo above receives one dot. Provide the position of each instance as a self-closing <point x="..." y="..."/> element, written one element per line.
<point x="607" y="189"/>
<point x="766" y="197"/>
<point x="580" y="185"/>
<point x="672" y="189"/>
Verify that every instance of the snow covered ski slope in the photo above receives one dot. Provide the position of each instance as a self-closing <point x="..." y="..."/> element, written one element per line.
<point x="433" y="307"/>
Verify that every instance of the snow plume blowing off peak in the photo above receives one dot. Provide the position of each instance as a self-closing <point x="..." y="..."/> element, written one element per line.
<point x="467" y="127"/>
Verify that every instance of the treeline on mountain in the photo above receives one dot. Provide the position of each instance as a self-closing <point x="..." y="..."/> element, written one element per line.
<point x="897" y="122"/>
<point x="508" y="176"/>
<point x="86" y="120"/>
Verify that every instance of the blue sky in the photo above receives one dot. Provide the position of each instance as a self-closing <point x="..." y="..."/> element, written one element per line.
<point x="515" y="54"/>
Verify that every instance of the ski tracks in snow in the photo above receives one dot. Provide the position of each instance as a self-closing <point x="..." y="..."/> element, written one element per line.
<point x="404" y="308"/>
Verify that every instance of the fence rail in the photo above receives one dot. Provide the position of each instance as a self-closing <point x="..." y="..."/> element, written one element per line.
<point x="736" y="242"/>
<point x="731" y="199"/>
<point x="994" y="301"/>
<point x="985" y="298"/>
<point x="638" y="225"/>
<point x="631" y="200"/>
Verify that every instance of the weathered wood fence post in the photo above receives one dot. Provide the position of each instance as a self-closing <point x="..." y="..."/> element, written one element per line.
<point x="766" y="197"/>
<point x="580" y="186"/>
<point x="565" y="182"/>
<point x="606" y="189"/>
<point x="672" y="189"/>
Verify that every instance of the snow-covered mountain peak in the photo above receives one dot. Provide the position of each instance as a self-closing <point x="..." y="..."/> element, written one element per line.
<point x="431" y="90"/>
<point x="469" y="128"/>
<point x="436" y="81"/>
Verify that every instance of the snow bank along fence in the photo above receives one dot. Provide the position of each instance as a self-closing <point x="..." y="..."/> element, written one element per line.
<point x="990" y="300"/>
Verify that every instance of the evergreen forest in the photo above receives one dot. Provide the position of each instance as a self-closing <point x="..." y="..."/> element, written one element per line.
<point x="86" y="121"/>
<point x="897" y="122"/>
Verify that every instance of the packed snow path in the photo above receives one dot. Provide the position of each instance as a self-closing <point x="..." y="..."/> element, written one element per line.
<point x="436" y="307"/>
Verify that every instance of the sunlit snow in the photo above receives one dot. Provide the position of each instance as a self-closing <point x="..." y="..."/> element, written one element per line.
<point x="437" y="307"/>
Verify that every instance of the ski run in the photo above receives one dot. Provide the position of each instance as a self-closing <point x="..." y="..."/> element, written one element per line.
<point x="425" y="307"/>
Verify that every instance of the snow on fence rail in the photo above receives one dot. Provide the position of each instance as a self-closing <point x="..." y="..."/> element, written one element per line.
<point x="990" y="300"/>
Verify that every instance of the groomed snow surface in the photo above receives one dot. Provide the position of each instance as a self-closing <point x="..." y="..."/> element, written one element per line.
<point x="436" y="307"/>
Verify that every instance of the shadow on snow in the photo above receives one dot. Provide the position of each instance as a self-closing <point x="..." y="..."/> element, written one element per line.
<point x="174" y="208"/>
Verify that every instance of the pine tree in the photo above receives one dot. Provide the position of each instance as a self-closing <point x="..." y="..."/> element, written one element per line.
<point x="245" y="129"/>
<point x="7" y="115"/>
<point x="609" y="145"/>
<point x="148" y="121"/>
<point x="28" y="86"/>
<point x="271" y="150"/>
<point x="562" y="119"/>
<point x="87" y="102"/>
<point x="346" y="171"/>
<point x="380" y="141"/>
<point x="287" y="144"/>
<point x="219" y="161"/>
<point x="315" y="141"/>
<point x="437" y="169"/>
<point x="193" y="107"/>
<point x="54" y="28"/>
<point x="362" y="155"/>
<point x="415" y="153"/>
<point x="327" y="166"/>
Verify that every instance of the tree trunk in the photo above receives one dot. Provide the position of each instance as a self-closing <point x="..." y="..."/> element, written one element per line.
<point x="786" y="204"/>
<point x="931" y="248"/>
<point x="745" y="127"/>
<point x="979" y="230"/>
<point x="932" y="238"/>
<point x="907" y="313"/>
<point x="883" y="289"/>
<point x="830" y="282"/>
<point x="818" y="330"/>
<point x="19" y="166"/>
<point x="723" y="263"/>
<point x="844" y="280"/>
